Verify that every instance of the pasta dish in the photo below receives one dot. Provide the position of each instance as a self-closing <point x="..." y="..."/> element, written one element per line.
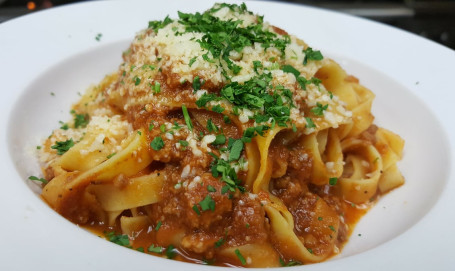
<point x="221" y="139"/>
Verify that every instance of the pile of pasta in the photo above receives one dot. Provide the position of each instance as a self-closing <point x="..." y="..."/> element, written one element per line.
<point x="222" y="140"/>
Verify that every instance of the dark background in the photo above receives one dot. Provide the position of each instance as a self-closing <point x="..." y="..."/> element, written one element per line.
<point x="434" y="19"/>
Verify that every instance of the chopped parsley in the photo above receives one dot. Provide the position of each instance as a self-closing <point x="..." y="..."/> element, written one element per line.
<point x="110" y="155"/>
<point x="157" y="87"/>
<point x="196" y="83"/>
<point x="155" y="249"/>
<point x="187" y="118"/>
<point x="235" y="150"/>
<point x="319" y="109"/>
<point x="289" y="263"/>
<point x="311" y="55"/>
<point x="158" y="225"/>
<point x="192" y="61"/>
<point x="81" y="120"/>
<point x="157" y="25"/>
<point x="63" y="146"/>
<point x="333" y="181"/>
<point x="240" y="256"/>
<point x="119" y="239"/>
<point x="157" y="143"/>
<point x="98" y="36"/>
<point x="309" y="123"/>
<point x="219" y="242"/>
<point x="170" y="252"/>
<point x="219" y="140"/>
<point x="207" y="204"/>
<point x="196" y="209"/>
<point x="34" y="178"/>
<point x="211" y="188"/>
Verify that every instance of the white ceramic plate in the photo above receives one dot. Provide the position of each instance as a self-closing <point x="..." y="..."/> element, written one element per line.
<point x="56" y="51"/>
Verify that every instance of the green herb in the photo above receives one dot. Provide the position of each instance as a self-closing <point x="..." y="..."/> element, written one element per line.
<point x="320" y="218"/>
<point x="218" y="108"/>
<point x="81" y="120"/>
<point x="170" y="252"/>
<point x="222" y="168"/>
<point x="157" y="87"/>
<point x="219" y="242"/>
<point x="183" y="143"/>
<point x="52" y="94"/>
<point x="196" y="83"/>
<point x="291" y="69"/>
<point x="211" y="188"/>
<point x="310" y="250"/>
<point x="226" y="119"/>
<point x="138" y="132"/>
<point x="110" y="155"/>
<point x="157" y="25"/>
<point x="63" y="146"/>
<point x="38" y="147"/>
<point x="64" y="125"/>
<point x="221" y="37"/>
<point x="240" y="256"/>
<point x="309" y="123"/>
<point x="140" y="249"/>
<point x="332" y="228"/>
<point x="98" y="36"/>
<point x="211" y="127"/>
<point x="207" y="204"/>
<point x="196" y="209"/>
<point x="311" y="55"/>
<point x="333" y="181"/>
<point x="157" y="143"/>
<point x="257" y="65"/>
<point x="158" y="225"/>
<point x="136" y="80"/>
<point x="155" y="249"/>
<point x="236" y="150"/>
<point x="205" y="98"/>
<point x="192" y="61"/>
<point x="290" y="263"/>
<point x="219" y="140"/>
<point x="319" y="109"/>
<point x="247" y="225"/>
<point x="151" y="126"/>
<point x="187" y="118"/>
<point x="119" y="239"/>
<point x="163" y="128"/>
<point x="34" y="178"/>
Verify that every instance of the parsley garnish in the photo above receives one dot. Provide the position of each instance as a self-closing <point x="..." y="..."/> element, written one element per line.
<point x="157" y="143"/>
<point x="311" y="55"/>
<point x="187" y="118"/>
<point x="309" y="123"/>
<point x="63" y="146"/>
<point x="34" y="178"/>
<point x="119" y="239"/>
<point x="319" y="109"/>
<point x="240" y="256"/>
<point x="170" y="252"/>
<point x="156" y="25"/>
<point x="219" y="242"/>
<point x="219" y="140"/>
<point x="207" y="204"/>
<point x="290" y="263"/>
<point x="155" y="249"/>
<point x="196" y="83"/>
<point x="333" y="181"/>
<point x="81" y="120"/>
<point x="235" y="150"/>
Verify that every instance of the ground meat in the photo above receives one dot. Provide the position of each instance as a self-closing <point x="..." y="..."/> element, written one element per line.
<point x="315" y="222"/>
<point x="248" y="222"/>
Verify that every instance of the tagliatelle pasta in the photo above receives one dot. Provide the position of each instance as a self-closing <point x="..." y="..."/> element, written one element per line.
<point x="222" y="140"/>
